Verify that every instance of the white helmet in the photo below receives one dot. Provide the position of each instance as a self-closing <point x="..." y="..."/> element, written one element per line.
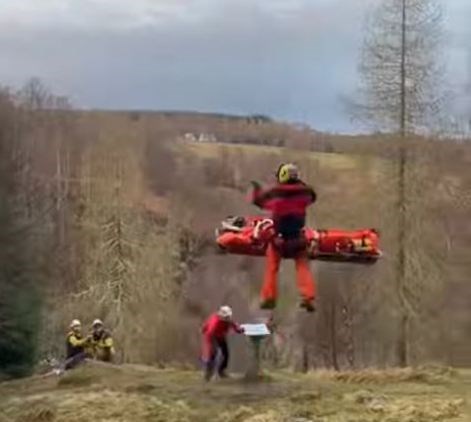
<point x="75" y="323"/>
<point x="225" y="312"/>
<point x="96" y="322"/>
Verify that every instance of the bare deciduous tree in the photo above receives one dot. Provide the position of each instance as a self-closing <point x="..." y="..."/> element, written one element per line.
<point x="401" y="70"/>
<point x="401" y="77"/>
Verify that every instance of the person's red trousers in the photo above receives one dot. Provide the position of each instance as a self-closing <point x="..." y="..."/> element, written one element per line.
<point x="305" y="280"/>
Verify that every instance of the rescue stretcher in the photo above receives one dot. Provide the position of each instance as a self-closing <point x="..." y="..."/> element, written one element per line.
<point x="251" y="236"/>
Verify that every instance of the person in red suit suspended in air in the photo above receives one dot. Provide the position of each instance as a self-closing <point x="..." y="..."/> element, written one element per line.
<point x="215" y="330"/>
<point x="287" y="202"/>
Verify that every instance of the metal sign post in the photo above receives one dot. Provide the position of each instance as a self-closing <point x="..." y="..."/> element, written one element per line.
<point x="256" y="333"/>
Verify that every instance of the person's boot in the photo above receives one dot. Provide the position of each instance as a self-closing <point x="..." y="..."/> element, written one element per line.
<point x="208" y="374"/>
<point x="307" y="304"/>
<point x="268" y="304"/>
<point x="223" y="374"/>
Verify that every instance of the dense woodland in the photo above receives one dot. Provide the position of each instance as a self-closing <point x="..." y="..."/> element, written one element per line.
<point x="112" y="216"/>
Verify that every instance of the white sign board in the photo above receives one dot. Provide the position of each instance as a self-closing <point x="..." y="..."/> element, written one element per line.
<point x="251" y="330"/>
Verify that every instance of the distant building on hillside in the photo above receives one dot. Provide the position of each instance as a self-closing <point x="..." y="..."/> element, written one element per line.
<point x="258" y="119"/>
<point x="206" y="138"/>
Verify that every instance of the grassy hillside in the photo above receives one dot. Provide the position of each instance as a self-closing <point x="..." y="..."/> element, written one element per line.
<point x="334" y="160"/>
<point x="344" y="180"/>
<point x="138" y="393"/>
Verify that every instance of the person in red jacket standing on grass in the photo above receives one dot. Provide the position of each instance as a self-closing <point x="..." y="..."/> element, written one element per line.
<point x="287" y="202"/>
<point x="215" y="330"/>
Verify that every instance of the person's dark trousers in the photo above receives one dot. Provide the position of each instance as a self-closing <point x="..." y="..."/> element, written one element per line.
<point x="217" y="344"/>
<point x="75" y="360"/>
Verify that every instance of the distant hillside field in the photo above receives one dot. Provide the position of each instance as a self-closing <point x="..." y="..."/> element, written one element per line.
<point x="332" y="160"/>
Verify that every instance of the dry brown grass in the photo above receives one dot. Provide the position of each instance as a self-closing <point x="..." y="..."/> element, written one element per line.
<point x="337" y="161"/>
<point x="139" y="393"/>
<point x="426" y="374"/>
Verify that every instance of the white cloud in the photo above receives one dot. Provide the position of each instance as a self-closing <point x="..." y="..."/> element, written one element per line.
<point x="104" y="14"/>
<point x="124" y="14"/>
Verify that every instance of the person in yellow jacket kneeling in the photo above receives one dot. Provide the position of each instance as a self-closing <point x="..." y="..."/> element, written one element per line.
<point x="77" y="346"/>
<point x="102" y="342"/>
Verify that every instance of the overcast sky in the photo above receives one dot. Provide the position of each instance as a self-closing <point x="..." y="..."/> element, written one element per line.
<point x="291" y="59"/>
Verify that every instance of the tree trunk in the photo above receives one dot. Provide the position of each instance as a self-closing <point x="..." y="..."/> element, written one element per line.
<point x="333" y="337"/>
<point x="305" y="358"/>
<point x="402" y="354"/>
<point x="348" y="323"/>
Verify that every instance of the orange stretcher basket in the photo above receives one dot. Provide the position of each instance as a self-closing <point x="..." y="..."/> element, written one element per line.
<point x="251" y="235"/>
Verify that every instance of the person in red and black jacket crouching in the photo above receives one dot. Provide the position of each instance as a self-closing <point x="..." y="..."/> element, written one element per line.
<point x="215" y="330"/>
<point x="287" y="202"/>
